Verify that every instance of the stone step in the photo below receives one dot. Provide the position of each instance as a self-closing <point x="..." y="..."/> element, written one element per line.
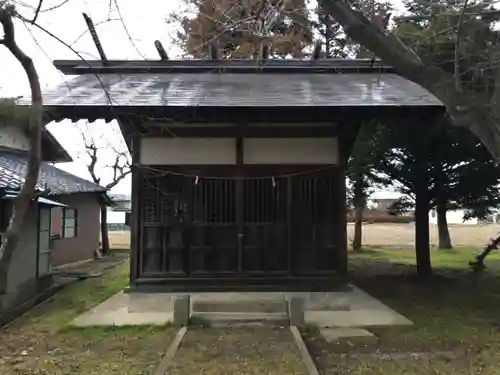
<point x="243" y="306"/>
<point x="239" y="319"/>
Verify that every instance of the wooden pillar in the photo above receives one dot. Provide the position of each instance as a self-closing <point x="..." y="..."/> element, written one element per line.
<point x="239" y="202"/>
<point x="342" y="256"/>
<point x="135" y="245"/>
<point x="347" y="134"/>
<point x="239" y="187"/>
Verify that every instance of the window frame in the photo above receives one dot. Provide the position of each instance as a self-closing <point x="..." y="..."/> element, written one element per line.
<point x="46" y="252"/>
<point x="63" y="222"/>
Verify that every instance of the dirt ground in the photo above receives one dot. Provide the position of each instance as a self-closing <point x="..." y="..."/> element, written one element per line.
<point x="385" y="235"/>
<point x="403" y="234"/>
<point x="238" y="351"/>
<point x="119" y="240"/>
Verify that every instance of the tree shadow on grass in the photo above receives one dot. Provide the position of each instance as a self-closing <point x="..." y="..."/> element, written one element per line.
<point x="455" y="316"/>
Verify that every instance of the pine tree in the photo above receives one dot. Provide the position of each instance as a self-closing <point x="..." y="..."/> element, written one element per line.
<point x="462" y="173"/>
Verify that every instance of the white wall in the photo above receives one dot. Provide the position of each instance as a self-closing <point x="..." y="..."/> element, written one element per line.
<point x="453" y="217"/>
<point x="222" y="151"/>
<point x="185" y="151"/>
<point x="290" y="151"/>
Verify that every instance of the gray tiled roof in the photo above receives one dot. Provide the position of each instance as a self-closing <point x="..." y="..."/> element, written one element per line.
<point x="12" y="180"/>
<point x="13" y="168"/>
<point x="240" y="90"/>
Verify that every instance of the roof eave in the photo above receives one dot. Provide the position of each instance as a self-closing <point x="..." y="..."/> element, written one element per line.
<point x="59" y="152"/>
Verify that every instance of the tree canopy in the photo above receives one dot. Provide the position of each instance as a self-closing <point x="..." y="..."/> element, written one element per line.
<point x="335" y="41"/>
<point x="468" y="83"/>
<point x="240" y="28"/>
<point x="462" y="173"/>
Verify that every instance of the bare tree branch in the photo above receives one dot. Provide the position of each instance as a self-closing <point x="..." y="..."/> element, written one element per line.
<point x="129" y="36"/>
<point x="34" y="131"/>
<point x="458" y="81"/>
<point x="470" y="109"/>
<point x="91" y="151"/>
<point x="37" y="11"/>
<point x="446" y="14"/>
<point x="120" y="170"/>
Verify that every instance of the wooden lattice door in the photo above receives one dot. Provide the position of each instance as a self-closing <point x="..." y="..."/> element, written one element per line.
<point x="213" y="229"/>
<point x="164" y="202"/>
<point x="265" y="226"/>
<point x="314" y="222"/>
<point x="226" y="227"/>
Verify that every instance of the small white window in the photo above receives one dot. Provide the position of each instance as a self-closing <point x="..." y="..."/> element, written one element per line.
<point x="69" y="223"/>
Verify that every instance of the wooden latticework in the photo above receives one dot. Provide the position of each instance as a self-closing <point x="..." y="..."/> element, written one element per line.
<point x="236" y="227"/>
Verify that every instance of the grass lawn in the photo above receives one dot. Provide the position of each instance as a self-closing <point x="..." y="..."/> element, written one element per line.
<point x="456" y="315"/>
<point x="213" y="351"/>
<point x="455" y="259"/>
<point x="41" y="343"/>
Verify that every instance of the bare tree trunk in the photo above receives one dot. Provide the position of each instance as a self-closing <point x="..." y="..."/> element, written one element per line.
<point x="104" y="230"/>
<point x="357" y="242"/>
<point x="442" y="223"/>
<point x="478" y="262"/>
<point x="23" y="201"/>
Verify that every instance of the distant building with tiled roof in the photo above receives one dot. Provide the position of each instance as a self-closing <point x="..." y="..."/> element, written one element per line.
<point x="51" y="178"/>
<point x="62" y="225"/>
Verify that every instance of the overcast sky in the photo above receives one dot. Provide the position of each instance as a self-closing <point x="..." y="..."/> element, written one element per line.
<point x="133" y="38"/>
<point x="145" y="22"/>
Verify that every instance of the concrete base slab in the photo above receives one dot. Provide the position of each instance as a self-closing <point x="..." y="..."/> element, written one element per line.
<point x="364" y="311"/>
<point x="329" y="301"/>
<point x="334" y="335"/>
<point x="353" y="308"/>
<point x="149" y="302"/>
<point x="115" y="312"/>
<point x="356" y="318"/>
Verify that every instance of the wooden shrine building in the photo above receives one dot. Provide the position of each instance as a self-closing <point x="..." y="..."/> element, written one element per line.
<point x="239" y="165"/>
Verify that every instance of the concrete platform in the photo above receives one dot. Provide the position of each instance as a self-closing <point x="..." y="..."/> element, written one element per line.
<point x="363" y="311"/>
<point x="354" y="308"/>
<point x="335" y="335"/>
<point x="119" y="311"/>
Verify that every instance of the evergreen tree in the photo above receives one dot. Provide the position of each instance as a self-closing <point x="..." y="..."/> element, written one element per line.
<point x="361" y="173"/>
<point x="336" y="43"/>
<point x="462" y="173"/>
